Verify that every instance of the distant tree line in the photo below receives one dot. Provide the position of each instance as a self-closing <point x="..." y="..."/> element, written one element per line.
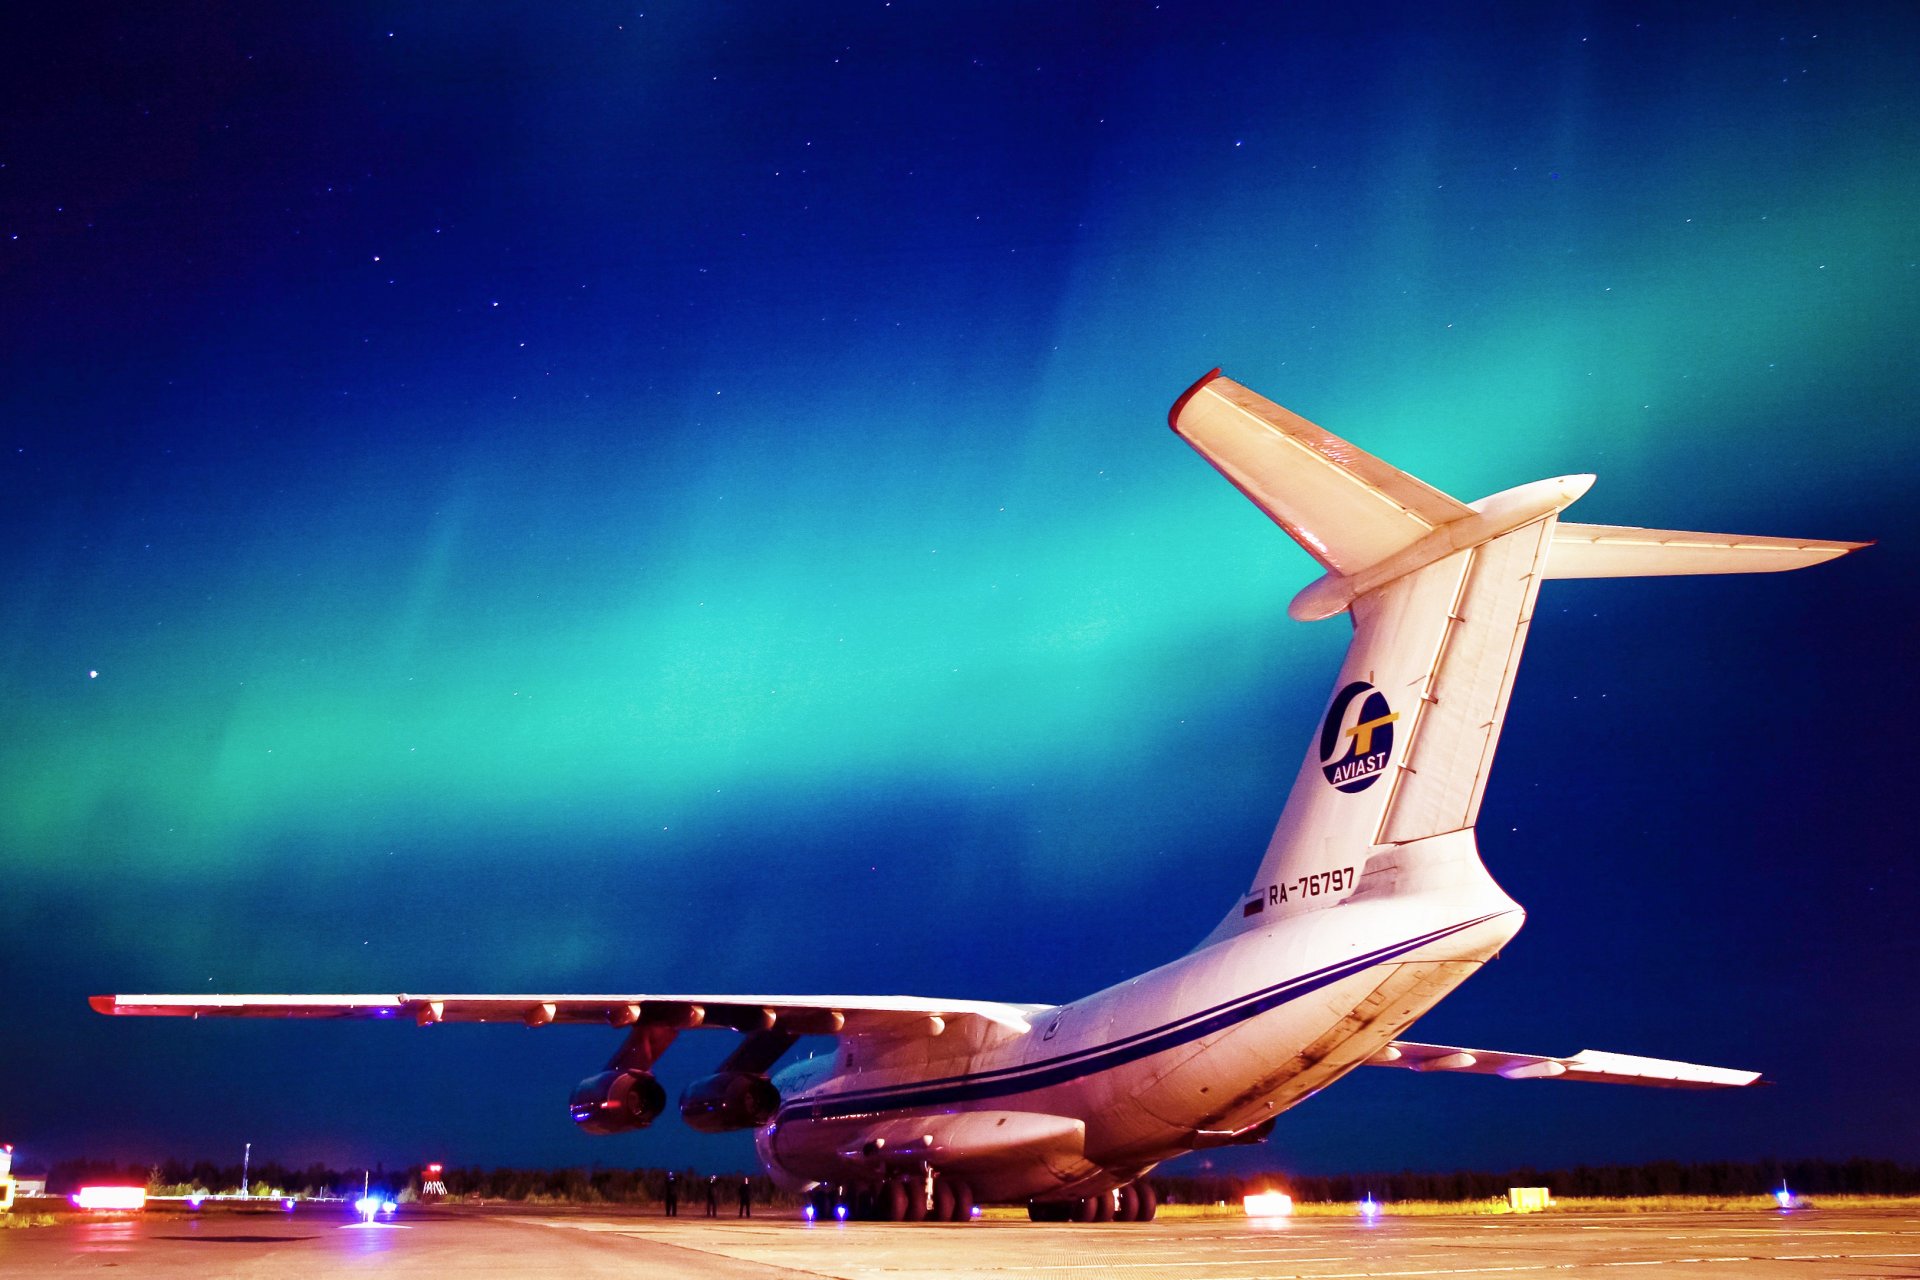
<point x="599" y="1186"/>
<point x="648" y="1186"/>
<point x="577" y="1186"/>
<point x="1659" y="1178"/>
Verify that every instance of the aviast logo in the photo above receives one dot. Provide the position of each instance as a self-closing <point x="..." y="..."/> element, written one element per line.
<point x="1360" y="720"/>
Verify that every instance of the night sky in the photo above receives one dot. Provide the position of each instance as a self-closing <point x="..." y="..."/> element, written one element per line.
<point x="677" y="497"/>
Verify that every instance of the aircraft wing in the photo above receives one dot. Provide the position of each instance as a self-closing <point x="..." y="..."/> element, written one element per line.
<point x="1588" y="1064"/>
<point x="806" y="1015"/>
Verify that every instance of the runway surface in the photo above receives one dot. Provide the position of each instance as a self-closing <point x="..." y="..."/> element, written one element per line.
<point x="575" y="1246"/>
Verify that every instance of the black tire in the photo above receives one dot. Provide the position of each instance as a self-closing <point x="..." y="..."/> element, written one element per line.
<point x="1128" y="1210"/>
<point x="1085" y="1210"/>
<point x="942" y="1201"/>
<point x="1149" y="1201"/>
<point x="893" y="1199"/>
<point x="916" y="1190"/>
<point x="1103" y="1207"/>
<point x="962" y="1202"/>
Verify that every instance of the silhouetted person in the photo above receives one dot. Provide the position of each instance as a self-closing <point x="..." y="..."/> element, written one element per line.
<point x="746" y="1198"/>
<point x="672" y="1197"/>
<point x="713" y="1195"/>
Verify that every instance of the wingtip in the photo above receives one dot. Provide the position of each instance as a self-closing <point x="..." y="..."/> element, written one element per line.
<point x="103" y="1004"/>
<point x="1838" y="550"/>
<point x="1173" y="414"/>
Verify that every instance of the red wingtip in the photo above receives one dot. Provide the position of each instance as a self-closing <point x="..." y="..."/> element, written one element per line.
<point x="102" y="1004"/>
<point x="1173" y="414"/>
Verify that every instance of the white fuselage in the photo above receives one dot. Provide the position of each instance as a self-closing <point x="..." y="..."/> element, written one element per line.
<point x="1188" y="1055"/>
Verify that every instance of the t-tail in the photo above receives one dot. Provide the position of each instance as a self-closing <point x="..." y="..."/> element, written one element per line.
<point x="1441" y="593"/>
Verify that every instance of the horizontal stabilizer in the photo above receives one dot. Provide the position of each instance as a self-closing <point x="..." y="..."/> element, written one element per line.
<point x="1617" y="551"/>
<point x="1588" y="1064"/>
<point x="853" y="1015"/>
<point x="1347" y="508"/>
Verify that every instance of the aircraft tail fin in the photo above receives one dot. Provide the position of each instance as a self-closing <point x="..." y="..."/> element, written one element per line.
<point x="1441" y="594"/>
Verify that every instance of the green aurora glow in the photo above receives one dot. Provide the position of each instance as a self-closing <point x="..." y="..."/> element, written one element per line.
<point x="818" y="533"/>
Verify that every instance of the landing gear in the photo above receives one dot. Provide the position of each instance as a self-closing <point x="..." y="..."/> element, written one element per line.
<point x="826" y="1202"/>
<point x="901" y="1199"/>
<point x="952" y="1201"/>
<point x="1135" y="1202"/>
<point x="1085" y="1210"/>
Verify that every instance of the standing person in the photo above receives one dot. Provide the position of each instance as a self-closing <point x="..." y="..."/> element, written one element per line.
<point x="713" y="1195"/>
<point x="746" y="1198"/>
<point x="672" y="1197"/>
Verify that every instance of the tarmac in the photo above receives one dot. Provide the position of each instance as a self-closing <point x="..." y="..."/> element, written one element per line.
<point x="556" y="1245"/>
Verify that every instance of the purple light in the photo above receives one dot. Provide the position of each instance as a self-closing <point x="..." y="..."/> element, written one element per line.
<point x="807" y="1213"/>
<point x="840" y="1212"/>
<point x="286" y="1204"/>
<point x="1369" y="1208"/>
<point x="1783" y="1198"/>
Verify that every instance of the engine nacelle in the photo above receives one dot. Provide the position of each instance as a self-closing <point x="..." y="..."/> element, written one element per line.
<point x="616" y="1101"/>
<point x="729" y="1100"/>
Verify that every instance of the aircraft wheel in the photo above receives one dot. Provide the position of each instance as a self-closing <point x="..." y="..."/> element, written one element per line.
<point x="916" y="1193"/>
<point x="1086" y="1209"/>
<point x="962" y="1202"/>
<point x="1103" y="1207"/>
<point x="893" y="1200"/>
<point x="1128" y="1208"/>
<point x="1046" y="1211"/>
<point x="942" y="1201"/>
<point x="1149" y="1201"/>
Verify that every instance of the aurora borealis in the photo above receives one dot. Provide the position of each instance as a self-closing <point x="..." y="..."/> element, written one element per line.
<point x="677" y="498"/>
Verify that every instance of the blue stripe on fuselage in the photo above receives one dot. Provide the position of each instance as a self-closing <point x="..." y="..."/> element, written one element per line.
<point x="1006" y="1081"/>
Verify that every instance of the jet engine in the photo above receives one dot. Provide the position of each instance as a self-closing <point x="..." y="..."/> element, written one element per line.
<point x="616" y="1101"/>
<point x="729" y="1100"/>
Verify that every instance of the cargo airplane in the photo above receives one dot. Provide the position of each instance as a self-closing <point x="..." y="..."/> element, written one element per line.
<point x="1369" y="905"/>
